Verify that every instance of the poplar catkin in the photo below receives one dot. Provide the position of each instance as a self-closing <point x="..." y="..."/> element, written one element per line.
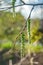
<point x="22" y="45"/>
<point x="28" y="30"/>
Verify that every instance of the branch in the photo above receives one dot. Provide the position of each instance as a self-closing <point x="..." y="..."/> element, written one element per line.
<point x="22" y="1"/>
<point x="22" y="5"/>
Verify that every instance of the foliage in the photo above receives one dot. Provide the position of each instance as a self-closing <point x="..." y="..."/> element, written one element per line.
<point x="34" y="48"/>
<point x="9" y="26"/>
<point x="35" y="35"/>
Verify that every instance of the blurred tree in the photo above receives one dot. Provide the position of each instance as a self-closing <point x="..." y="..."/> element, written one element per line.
<point x="9" y="26"/>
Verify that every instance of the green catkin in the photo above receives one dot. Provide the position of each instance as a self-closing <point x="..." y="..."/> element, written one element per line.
<point x="28" y="31"/>
<point x="13" y="3"/>
<point x="22" y="45"/>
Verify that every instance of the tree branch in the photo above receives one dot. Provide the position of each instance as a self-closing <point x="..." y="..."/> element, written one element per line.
<point x="22" y="1"/>
<point x="38" y="4"/>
